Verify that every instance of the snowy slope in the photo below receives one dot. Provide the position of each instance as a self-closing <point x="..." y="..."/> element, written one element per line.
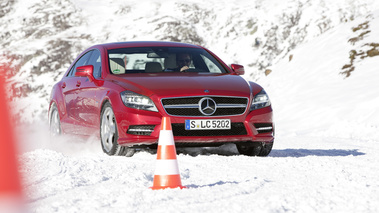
<point x="325" y="157"/>
<point x="39" y="39"/>
<point x="318" y="85"/>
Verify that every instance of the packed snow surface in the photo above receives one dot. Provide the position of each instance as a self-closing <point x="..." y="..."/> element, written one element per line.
<point x="325" y="157"/>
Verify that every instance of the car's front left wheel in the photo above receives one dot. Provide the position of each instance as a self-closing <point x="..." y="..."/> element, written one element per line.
<point x="109" y="133"/>
<point x="255" y="149"/>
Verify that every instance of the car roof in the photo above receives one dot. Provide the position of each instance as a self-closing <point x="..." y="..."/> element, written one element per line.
<point x="146" y="44"/>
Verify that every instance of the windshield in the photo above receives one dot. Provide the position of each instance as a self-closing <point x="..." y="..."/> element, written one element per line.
<point x="162" y="59"/>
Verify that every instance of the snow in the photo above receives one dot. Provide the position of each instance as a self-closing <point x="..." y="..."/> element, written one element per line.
<point x="332" y="102"/>
<point x="325" y="157"/>
<point x="302" y="174"/>
<point x="58" y="30"/>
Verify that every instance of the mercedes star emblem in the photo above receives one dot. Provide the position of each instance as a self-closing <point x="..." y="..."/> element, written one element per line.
<point x="207" y="106"/>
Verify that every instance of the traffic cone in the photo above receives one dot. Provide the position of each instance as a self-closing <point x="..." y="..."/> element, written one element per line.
<point x="10" y="185"/>
<point x="167" y="170"/>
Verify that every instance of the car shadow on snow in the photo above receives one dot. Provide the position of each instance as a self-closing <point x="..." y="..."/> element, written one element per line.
<point x="219" y="183"/>
<point x="231" y="150"/>
<point x="315" y="152"/>
<point x="224" y="150"/>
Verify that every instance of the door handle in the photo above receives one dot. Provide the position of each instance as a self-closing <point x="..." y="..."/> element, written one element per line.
<point x="64" y="85"/>
<point x="78" y="83"/>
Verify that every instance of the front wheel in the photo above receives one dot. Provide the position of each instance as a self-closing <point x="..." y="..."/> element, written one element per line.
<point x="54" y="121"/>
<point x="255" y="149"/>
<point x="109" y="134"/>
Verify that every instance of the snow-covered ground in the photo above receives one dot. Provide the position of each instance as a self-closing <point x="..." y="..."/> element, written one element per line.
<point x="303" y="174"/>
<point x="325" y="157"/>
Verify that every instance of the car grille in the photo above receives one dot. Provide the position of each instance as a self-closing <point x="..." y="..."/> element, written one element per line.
<point x="190" y="106"/>
<point x="178" y="129"/>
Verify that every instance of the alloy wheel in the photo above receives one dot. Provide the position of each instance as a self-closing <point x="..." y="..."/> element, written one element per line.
<point x="108" y="129"/>
<point x="55" y="126"/>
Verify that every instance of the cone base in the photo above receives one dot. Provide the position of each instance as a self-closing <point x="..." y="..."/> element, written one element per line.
<point x="165" y="187"/>
<point x="167" y="181"/>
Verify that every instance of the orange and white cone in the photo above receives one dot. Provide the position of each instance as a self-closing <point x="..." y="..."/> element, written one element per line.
<point x="10" y="184"/>
<point x="166" y="170"/>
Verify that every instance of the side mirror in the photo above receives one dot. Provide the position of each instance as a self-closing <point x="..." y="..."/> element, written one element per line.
<point x="85" y="71"/>
<point x="238" y="69"/>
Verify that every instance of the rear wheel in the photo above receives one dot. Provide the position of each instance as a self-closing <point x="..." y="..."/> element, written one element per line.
<point x="255" y="149"/>
<point x="109" y="133"/>
<point x="54" y="121"/>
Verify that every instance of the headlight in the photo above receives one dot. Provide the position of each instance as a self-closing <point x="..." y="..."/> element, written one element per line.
<point x="260" y="100"/>
<point x="137" y="101"/>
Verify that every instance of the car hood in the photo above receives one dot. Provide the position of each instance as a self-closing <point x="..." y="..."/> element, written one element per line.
<point x="184" y="84"/>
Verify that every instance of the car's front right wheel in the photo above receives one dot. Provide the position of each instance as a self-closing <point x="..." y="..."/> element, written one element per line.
<point x="109" y="133"/>
<point x="54" y="121"/>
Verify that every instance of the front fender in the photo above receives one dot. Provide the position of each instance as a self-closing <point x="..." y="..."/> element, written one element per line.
<point x="56" y="96"/>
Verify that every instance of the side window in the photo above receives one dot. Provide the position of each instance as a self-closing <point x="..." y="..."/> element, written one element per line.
<point x="71" y="71"/>
<point x="95" y="60"/>
<point x="81" y="62"/>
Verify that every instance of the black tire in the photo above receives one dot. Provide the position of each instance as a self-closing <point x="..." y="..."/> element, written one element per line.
<point x="109" y="134"/>
<point x="266" y="149"/>
<point x="255" y="149"/>
<point x="54" y="121"/>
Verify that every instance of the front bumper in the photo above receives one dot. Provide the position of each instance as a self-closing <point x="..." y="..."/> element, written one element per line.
<point x="256" y="123"/>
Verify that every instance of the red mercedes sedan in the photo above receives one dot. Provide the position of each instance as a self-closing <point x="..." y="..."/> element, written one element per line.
<point x="119" y="92"/>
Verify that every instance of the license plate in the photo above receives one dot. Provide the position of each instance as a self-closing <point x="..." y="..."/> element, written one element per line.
<point x="208" y="124"/>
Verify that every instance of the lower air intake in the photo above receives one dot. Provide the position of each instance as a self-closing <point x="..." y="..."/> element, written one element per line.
<point x="140" y="129"/>
<point x="263" y="127"/>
